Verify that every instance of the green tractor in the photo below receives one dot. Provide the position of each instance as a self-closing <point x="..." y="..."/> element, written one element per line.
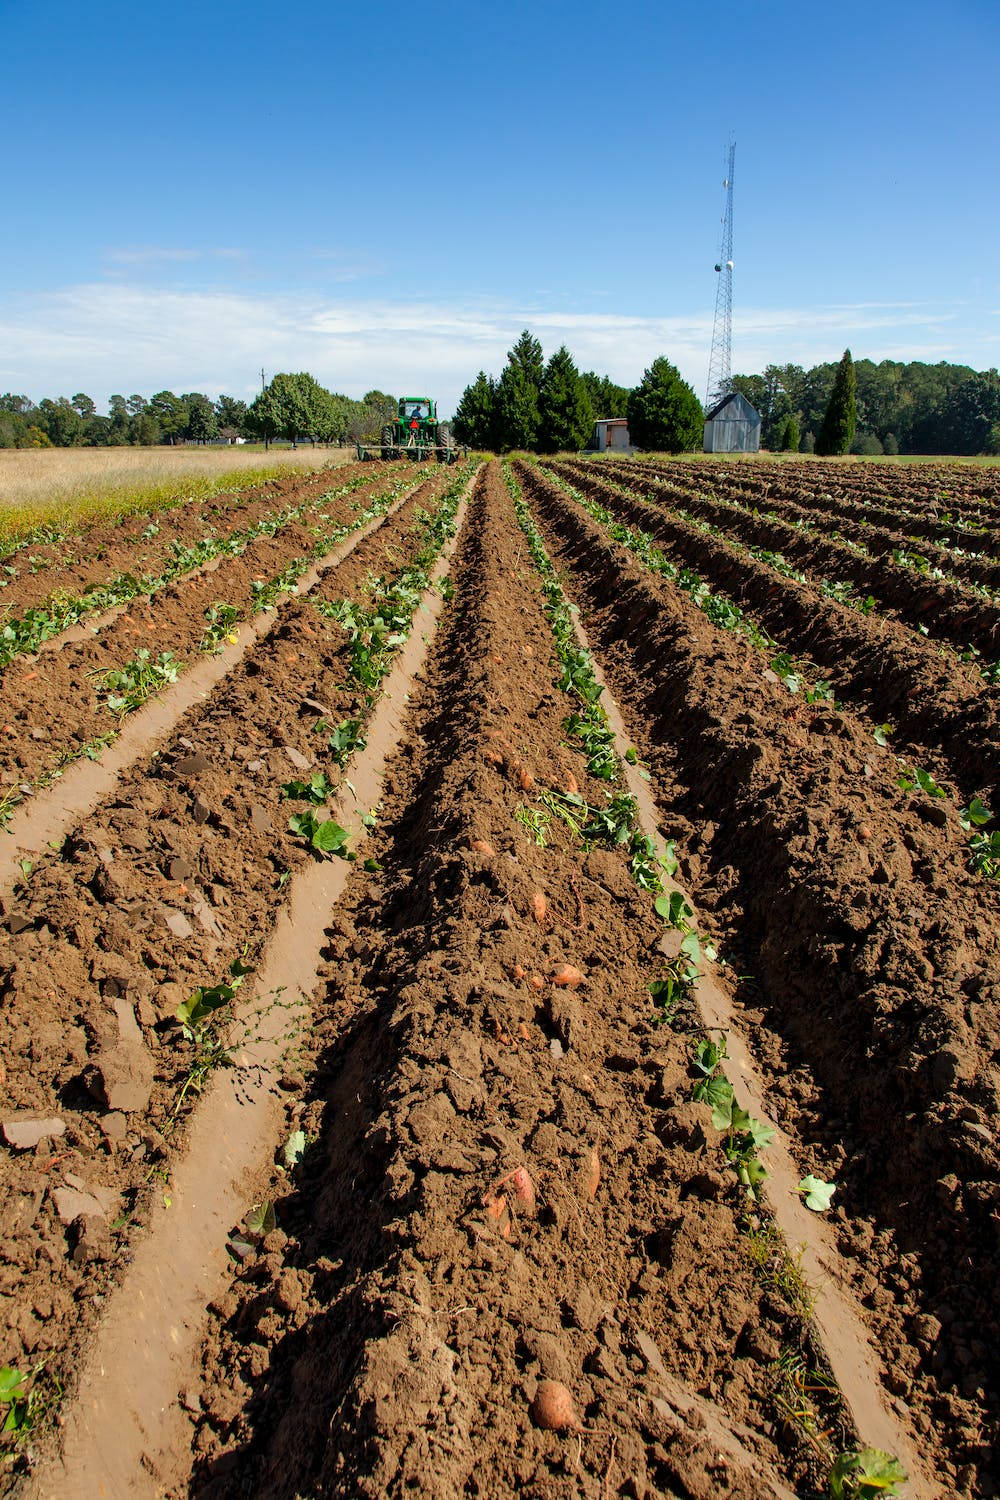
<point x="416" y="434"/>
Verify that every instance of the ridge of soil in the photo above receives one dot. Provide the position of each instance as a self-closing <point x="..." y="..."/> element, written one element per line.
<point x="51" y="703"/>
<point x="151" y="895"/>
<point x="873" y="964"/>
<point x="877" y="529"/>
<point x="941" y="607"/>
<point x="937" y="707"/>
<point x="87" y="559"/>
<point x="392" y="1334"/>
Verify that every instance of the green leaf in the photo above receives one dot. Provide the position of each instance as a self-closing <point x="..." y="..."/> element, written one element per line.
<point x="673" y="908"/>
<point x="329" y="837"/>
<point x="882" y="733"/>
<point x="717" y="1093"/>
<point x="762" y="1135"/>
<point x="973" y="816"/>
<point x="303" y="824"/>
<point x="294" y="1148"/>
<point x="11" y="1383"/>
<point x="865" y="1474"/>
<point x="260" y="1220"/>
<point x="692" y="946"/>
<point x="202" y="1003"/>
<point x="707" y="1056"/>
<point x="752" y="1172"/>
<point x="817" y="1193"/>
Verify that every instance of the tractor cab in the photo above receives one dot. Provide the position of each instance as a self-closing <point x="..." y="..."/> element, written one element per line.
<point x="416" y="408"/>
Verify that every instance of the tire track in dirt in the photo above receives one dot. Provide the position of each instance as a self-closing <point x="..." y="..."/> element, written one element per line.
<point x="116" y="1438"/>
<point x="873" y="1009"/>
<point x="895" y="674"/>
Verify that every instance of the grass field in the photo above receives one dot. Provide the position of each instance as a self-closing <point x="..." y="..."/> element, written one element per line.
<point x="71" y="488"/>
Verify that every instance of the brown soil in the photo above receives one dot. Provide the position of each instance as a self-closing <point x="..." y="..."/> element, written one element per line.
<point x="84" y="560"/>
<point x="941" y="709"/>
<point x="53" y="703"/>
<point x="872" y="954"/>
<point x="389" y="1335"/>
<point x="392" y="1334"/>
<point x="942" y="608"/>
<point x="153" y="894"/>
<point x="883" y="524"/>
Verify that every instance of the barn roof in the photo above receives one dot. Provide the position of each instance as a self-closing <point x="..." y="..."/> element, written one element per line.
<point x="735" y="408"/>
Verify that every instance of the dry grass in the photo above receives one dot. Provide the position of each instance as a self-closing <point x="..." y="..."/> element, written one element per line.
<point x="69" y="489"/>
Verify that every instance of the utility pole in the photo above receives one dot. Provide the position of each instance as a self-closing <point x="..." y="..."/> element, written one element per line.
<point x="263" y="382"/>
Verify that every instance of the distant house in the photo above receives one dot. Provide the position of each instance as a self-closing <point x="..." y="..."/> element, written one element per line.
<point x="611" y="433"/>
<point x="732" y="426"/>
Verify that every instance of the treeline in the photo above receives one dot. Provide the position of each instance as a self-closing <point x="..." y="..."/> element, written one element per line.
<point x="545" y="408"/>
<point x="901" y="408"/>
<point x="293" y="407"/>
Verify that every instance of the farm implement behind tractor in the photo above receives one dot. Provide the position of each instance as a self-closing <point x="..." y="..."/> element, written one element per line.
<point x="416" y="434"/>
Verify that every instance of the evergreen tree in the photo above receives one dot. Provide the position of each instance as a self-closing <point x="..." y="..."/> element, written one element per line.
<point x="517" y="395"/>
<point x="606" y="398"/>
<point x="790" y="436"/>
<point x="565" y="415"/>
<point x="837" y="432"/>
<point x="475" y="417"/>
<point x="664" y="414"/>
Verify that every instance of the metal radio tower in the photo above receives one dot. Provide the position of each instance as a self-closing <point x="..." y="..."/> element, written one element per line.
<point x="720" y="381"/>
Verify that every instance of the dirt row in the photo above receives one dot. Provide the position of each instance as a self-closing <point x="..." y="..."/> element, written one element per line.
<point x="943" y="715"/>
<point x="154" y="894"/>
<point x="143" y="543"/>
<point x="868" y="963"/>
<point x="393" y="1331"/>
<point x="924" y="603"/>
<point x="932" y="488"/>
<point x="975" y="529"/>
<point x="972" y="571"/>
<point x="54" y="703"/>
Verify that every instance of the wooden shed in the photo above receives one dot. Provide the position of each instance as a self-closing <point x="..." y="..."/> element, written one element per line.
<point x="611" y="432"/>
<point x="732" y="426"/>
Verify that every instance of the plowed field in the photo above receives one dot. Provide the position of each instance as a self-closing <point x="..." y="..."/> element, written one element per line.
<point x="538" y="925"/>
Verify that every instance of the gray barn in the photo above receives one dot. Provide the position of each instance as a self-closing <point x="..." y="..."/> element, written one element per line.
<point x="732" y="426"/>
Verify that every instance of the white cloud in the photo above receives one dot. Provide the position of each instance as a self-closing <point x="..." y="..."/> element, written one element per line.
<point x="116" y="336"/>
<point x="133" y="256"/>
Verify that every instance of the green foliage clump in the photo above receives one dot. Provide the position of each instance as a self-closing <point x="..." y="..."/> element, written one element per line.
<point x="664" y="414"/>
<point x="517" y="395"/>
<point x="565" y="415"/>
<point x="475" y="420"/>
<point x="790" y="435"/>
<point x="837" y="432"/>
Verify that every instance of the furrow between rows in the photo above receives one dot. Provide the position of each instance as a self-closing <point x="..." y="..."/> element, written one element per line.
<point x="938" y="709"/>
<point x="163" y="884"/>
<point x="872" y="1005"/>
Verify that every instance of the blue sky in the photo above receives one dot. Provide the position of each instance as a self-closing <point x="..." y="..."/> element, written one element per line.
<point x="386" y="194"/>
